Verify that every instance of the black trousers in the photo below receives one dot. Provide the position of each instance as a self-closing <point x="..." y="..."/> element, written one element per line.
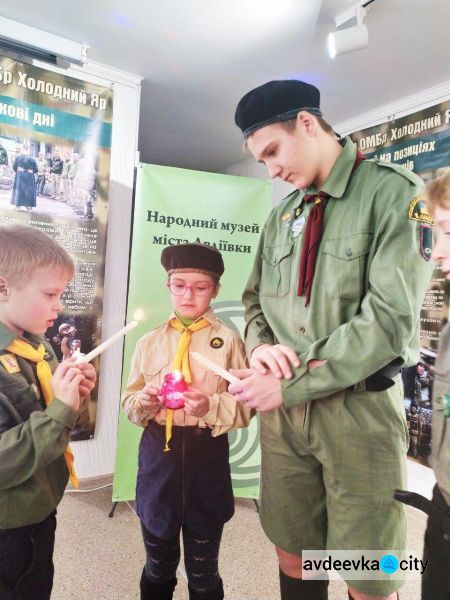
<point x="436" y="578"/>
<point x="26" y="561"/>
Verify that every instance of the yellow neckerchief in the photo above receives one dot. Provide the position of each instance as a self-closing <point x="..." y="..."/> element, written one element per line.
<point x="44" y="374"/>
<point x="181" y="362"/>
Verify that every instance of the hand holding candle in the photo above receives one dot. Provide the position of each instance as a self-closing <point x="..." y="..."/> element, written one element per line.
<point x="214" y="367"/>
<point x="96" y="351"/>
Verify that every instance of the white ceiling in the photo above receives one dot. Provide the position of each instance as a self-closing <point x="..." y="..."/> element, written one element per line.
<point x="198" y="57"/>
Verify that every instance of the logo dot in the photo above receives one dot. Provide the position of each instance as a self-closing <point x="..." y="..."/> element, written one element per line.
<point x="389" y="564"/>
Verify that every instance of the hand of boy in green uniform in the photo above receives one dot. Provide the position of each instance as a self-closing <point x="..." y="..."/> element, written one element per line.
<point x="262" y="392"/>
<point x="276" y="358"/>
<point x="196" y="403"/>
<point x="66" y="383"/>
<point x="89" y="379"/>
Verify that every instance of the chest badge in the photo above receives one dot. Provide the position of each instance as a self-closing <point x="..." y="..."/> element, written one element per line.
<point x="298" y="226"/>
<point x="286" y="220"/>
<point x="216" y="342"/>
<point x="9" y="361"/>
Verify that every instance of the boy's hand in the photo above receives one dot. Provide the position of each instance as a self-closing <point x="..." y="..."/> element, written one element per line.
<point x="196" y="403"/>
<point x="277" y="359"/>
<point x="66" y="382"/>
<point x="262" y="392"/>
<point x="89" y="379"/>
<point x="148" y="399"/>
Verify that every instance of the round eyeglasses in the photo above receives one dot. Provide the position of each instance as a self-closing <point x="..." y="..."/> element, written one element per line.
<point x="199" y="289"/>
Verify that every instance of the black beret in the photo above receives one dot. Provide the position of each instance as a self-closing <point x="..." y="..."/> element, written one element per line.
<point x="193" y="257"/>
<point x="275" y="101"/>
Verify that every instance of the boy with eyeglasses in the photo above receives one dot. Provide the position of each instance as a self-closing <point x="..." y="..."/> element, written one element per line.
<point x="188" y="486"/>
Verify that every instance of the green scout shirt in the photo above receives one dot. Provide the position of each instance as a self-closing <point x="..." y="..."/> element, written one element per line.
<point x="440" y="425"/>
<point x="33" y="471"/>
<point x="369" y="282"/>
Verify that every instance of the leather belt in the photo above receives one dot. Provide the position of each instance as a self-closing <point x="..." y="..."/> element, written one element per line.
<point x="382" y="379"/>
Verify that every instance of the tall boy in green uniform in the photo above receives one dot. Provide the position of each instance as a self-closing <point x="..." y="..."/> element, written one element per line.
<point x="332" y="313"/>
<point x="37" y="410"/>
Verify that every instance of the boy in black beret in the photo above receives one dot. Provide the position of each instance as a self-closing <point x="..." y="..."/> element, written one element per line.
<point x="188" y="487"/>
<point x="332" y="311"/>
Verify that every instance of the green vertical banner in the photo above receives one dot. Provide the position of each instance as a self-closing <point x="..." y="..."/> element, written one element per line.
<point x="174" y="206"/>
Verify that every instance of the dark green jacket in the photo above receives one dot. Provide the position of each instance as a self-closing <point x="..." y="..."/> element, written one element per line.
<point x="369" y="282"/>
<point x="33" y="472"/>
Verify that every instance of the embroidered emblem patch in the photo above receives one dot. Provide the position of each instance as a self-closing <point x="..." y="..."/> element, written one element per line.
<point x="285" y="220"/>
<point x="426" y="241"/>
<point x="418" y="211"/>
<point x="297" y="226"/>
<point x="216" y="342"/>
<point x="9" y="361"/>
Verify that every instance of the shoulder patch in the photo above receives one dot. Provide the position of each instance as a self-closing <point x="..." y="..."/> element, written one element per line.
<point x="9" y="361"/>
<point x="417" y="210"/>
<point x="426" y="241"/>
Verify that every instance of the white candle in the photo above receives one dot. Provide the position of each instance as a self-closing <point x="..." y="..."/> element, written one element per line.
<point x="215" y="368"/>
<point x="96" y="351"/>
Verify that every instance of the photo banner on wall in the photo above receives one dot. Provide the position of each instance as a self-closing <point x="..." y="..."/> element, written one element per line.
<point x="420" y="142"/>
<point x="173" y="206"/>
<point x="55" y="147"/>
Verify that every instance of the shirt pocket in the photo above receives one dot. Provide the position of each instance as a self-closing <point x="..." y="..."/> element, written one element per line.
<point x="276" y="270"/>
<point x="23" y="400"/>
<point x="155" y="369"/>
<point x="347" y="257"/>
<point x="205" y="380"/>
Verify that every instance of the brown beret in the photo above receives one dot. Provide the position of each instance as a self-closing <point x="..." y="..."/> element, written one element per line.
<point x="193" y="257"/>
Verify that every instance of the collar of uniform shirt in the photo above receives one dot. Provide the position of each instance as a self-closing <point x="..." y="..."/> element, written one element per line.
<point x="338" y="178"/>
<point x="209" y="316"/>
<point x="7" y="336"/>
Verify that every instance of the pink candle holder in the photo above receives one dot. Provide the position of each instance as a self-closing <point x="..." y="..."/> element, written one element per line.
<point x="172" y="390"/>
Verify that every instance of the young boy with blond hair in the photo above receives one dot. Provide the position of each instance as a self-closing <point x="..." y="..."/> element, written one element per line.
<point x="40" y="403"/>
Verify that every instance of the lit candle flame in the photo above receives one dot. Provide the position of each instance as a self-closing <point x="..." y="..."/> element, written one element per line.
<point x="139" y="315"/>
<point x="178" y="375"/>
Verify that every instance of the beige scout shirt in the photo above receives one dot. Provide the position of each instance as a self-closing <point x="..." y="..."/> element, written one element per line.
<point x="153" y="357"/>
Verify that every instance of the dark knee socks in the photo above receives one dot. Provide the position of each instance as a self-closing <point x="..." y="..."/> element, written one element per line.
<point x="151" y="590"/>
<point x="215" y="594"/>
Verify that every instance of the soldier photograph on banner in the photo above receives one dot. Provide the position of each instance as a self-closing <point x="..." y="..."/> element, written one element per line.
<point x="419" y="141"/>
<point x="55" y="147"/>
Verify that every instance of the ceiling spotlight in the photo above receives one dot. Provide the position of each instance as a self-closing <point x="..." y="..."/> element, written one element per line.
<point x="351" y="38"/>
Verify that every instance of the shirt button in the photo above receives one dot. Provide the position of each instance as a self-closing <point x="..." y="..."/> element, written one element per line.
<point x="348" y="252"/>
<point x="301" y="329"/>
